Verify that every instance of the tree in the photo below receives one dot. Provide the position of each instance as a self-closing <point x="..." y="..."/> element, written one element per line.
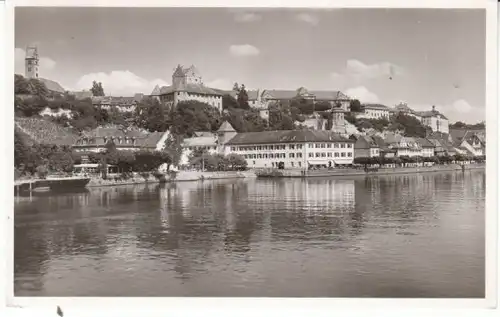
<point x="322" y="106"/>
<point x="190" y="116"/>
<point x="38" y="88"/>
<point x="228" y="102"/>
<point x="236" y="162"/>
<point x="355" y="105"/>
<point x="236" y="87"/>
<point x="97" y="89"/>
<point x="243" y="98"/>
<point x="173" y="148"/>
<point x="151" y="115"/>
<point x="280" y="118"/>
<point x="21" y="85"/>
<point x="60" y="161"/>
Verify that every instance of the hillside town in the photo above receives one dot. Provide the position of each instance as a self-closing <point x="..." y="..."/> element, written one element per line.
<point x="189" y="125"/>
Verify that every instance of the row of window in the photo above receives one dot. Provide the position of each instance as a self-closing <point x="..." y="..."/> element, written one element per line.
<point x="272" y="155"/>
<point x="329" y="154"/>
<point x="329" y="145"/>
<point x="266" y="147"/>
<point x="206" y="148"/>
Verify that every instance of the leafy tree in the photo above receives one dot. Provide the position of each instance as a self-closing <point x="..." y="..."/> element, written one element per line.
<point x="349" y="117"/>
<point x="228" y="102"/>
<point x="236" y="87"/>
<point x="151" y="115"/>
<point x="60" y="161"/>
<point x="305" y="106"/>
<point x="38" y="88"/>
<point x="21" y="85"/>
<point x="97" y="89"/>
<point x="355" y="105"/>
<point x="280" y="118"/>
<point x="191" y="116"/>
<point x="322" y="106"/>
<point x="245" y="120"/>
<point x="173" y="148"/>
<point x="243" y="98"/>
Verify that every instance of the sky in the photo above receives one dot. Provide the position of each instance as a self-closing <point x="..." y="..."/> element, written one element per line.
<point x="423" y="57"/>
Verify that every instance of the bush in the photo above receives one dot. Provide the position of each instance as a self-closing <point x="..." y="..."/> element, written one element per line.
<point x="42" y="172"/>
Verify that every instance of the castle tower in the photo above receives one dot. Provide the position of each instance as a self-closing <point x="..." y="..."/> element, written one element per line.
<point x="31" y="62"/>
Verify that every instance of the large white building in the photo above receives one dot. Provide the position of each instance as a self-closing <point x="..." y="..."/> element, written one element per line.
<point x="299" y="149"/>
<point x="374" y="111"/>
<point x="435" y="120"/>
<point x="187" y="84"/>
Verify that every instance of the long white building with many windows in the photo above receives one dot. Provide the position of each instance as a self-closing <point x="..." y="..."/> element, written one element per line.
<point x="295" y="149"/>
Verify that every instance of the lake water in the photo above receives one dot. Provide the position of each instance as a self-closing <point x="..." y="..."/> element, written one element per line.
<point x="387" y="236"/>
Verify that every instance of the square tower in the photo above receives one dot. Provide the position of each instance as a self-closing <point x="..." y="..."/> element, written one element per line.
<point x="31" y="62"/>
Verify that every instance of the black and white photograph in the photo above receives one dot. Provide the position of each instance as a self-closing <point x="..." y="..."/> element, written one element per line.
<point x="242" y="152"/>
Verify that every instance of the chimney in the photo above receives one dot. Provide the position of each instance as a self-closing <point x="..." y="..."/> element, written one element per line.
<point x="433" y="108"/>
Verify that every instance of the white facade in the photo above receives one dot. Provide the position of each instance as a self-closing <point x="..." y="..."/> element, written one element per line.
<point x="296" y="155"/>
<point x="374" y="112"/>
<point x="427" y="152"/>
<point x="437" y="123"/>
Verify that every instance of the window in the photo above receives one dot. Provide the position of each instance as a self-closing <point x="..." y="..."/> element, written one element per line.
<point x="310" y="145"/>
<point x="292" y="146"/>
<point x="329" y="154"/>
<point x="336" y="145"/>
<point x="292" y="162"/>
<point x="317" y="154"/>
<point x="329" y="145"/>
<point x="342" y="154"/>
<point x="336" y="154"/>
<point x="298" y="155"/>
<point x="311" y="154"/>
<point x="253" y="162"/>
<point x="317" y="145"/>
<point x="349" y="145"/>
<point x="323" y="145"/>
<point x="233" y="148"/>
<point x="300" y="164"/>
<point x="349" y="154"/>
<point x="323" y="154"/>
<point x="291" y="155"/>
<point x="259" y="156"/>
<point x="270" y="147"/>
<point x="271" y="155"/>
<point x="299" y="146"/>
<point x="342" y="146"/>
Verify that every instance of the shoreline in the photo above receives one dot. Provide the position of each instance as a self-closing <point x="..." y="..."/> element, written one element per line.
<point x="380" y="172"/>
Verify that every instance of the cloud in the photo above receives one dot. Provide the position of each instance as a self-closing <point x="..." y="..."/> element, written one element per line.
<point x="119" y="83"/>
<point x="357" y="69"/>
<point x="244" y="50"/>
<point x="308" y="18"/>
<point x="46" y="63"/>
<point x="245" y="17"/>
<point x="458" y="110"/>
<point x="362" y="94"/>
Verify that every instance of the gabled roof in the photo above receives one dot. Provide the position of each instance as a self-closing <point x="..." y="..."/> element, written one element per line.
<point x="152" y="139"/>
<point x="52" y="86"/>
<point x="191" y="88"/>
<point x="156" y="91"/>
<point x="287" y="136"/>
<point x="374" y="106"/>
<point x="200" y="141"/>
<point x="226" y="127"/>
<point x="365" y="142"/>
<point x="329" y="95"/>
<point x="423" y="142"/>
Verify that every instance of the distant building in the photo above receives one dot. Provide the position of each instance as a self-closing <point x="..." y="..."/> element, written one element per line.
<point x="31" y="71"/>
<point x="81" y="95"/>
<point x="435" y="120"/>
<point x="374" y="111"/>
<point x="292" y="149"/>
<point x="404" y="109"/>
<point x="187" y="84"/>
<point x="128" y="140"/>
<point x="365" y="146"/>
<point x="121" y="104"/>
<point x="428" y="147"/>
<point x="470" y="141"/>
<point x="407" y="146"/>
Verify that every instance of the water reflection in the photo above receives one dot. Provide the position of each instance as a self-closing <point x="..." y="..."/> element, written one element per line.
<point x="293" y="237"/>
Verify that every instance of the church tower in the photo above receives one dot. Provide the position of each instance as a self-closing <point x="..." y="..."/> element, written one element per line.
<point x="31" y="62"/>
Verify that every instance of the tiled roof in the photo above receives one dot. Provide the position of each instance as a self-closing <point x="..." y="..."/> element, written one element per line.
<point x="156" y="91"/>
<point x="329" y="95"/>
<point x="191" y="88"/>
<point x="151" y="140"/>
<point x="375" y="106"/>
<point x="286" y="136"/>
<point x="201" y="141"/>
<point x="203" y="133"/>
<point x="432" y="113"/>
<point x="52" y="85"/>
<point x="226" y="127"/>
<point x="424" y="142"/>
<point x="318" y="94"/>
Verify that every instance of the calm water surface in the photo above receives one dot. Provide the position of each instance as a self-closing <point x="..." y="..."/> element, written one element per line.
<point x="392" y="236"/>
